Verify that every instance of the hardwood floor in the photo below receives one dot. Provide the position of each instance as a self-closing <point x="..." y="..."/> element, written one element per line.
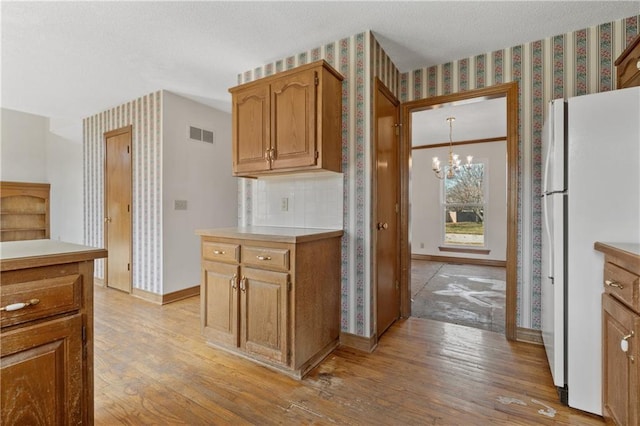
<point x="152" y="366"/>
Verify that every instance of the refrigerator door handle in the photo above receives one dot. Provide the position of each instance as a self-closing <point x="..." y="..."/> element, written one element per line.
<point x="547" y="155"/>
<point x="545" y="215"/>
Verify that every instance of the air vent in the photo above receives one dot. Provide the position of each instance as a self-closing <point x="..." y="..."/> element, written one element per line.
<point x="202" y="135"/>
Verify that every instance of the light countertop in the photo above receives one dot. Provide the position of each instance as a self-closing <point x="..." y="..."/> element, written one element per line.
<point x="630" y="248"/>
<point x="271" y="233"/>
<point x="30" y="253"/>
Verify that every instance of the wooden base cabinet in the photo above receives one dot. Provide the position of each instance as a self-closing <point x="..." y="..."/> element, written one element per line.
<point x="621" y="362"/>
<point x="46" y="344"/>
<point x="621" y="333"/>
<point x="277" y="303"/>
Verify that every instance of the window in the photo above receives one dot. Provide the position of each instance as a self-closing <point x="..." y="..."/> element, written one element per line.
<point x="464" y="206"/>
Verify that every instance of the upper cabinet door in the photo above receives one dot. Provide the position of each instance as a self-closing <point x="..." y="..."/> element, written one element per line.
<point x="251" y="130"/>
<point x="293" y="120"/>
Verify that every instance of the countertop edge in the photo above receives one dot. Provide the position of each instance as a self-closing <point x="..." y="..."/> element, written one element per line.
<point x="263" y="235"/>
<point x="611" y="249"/>
<point x="38" y="258"/>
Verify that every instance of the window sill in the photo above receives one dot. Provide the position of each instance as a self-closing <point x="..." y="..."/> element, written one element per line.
<point x="470" y="250"/>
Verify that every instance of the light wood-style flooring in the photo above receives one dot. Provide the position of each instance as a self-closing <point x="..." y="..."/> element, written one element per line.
<point x="153" y="367"/>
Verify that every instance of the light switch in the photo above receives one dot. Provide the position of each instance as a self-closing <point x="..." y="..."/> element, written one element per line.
<point x="180" y="204"/>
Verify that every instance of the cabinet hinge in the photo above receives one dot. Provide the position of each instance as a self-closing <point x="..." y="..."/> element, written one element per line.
<point x="288" y="285"/>
<point x="316" y="79"/>
<point x="84" y="333"/>
<point x="317" y="155"/>
<point x="127" y="149"/>
<point x="128" y="266"/>
<point x="397" y="285"/>
<point x="397" y="208"/>
<point x="397" y="126"/>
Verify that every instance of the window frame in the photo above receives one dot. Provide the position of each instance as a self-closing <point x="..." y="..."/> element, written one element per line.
<point x="485" y="208"/>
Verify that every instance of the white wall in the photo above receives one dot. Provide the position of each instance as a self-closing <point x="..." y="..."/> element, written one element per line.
<point x="31" y="153"/>
<point x="199" y="173"/>
<point x="426" y="198"/>
<point x="64" y="172"/>
<point x="22" y="147"/>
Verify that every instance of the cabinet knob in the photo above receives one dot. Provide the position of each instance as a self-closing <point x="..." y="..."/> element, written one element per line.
<point x="107" y="220"/>
<point x="20" y="305"/>
<point x="610" y="283"/>
<point x="382" y="226"/>
<point x="638" y="64"/>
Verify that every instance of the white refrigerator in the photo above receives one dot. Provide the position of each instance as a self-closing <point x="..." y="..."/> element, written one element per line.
<point x="590" y="192"/>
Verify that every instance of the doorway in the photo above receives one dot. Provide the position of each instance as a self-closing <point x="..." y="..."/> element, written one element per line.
<point x="509" y="91"/>
<point x="386" y="267"/>
<point x="117" y="222"/>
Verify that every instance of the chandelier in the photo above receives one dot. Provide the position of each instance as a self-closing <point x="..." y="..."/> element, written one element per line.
<point x="454" y="161"/>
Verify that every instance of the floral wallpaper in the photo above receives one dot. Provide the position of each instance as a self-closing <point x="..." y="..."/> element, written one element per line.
<point x="145" y="116"/>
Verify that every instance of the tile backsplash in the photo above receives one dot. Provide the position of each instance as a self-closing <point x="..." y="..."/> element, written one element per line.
<point x="312" y="200"/>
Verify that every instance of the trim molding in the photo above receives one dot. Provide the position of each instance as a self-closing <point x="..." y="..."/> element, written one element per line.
<point x="147" y="295"/>
<point x="163" y="299"/>
<point x="464" y="250"/>
<point x="449" y="259"/>
<point x="529" y="335"/>
<point x="361" y="343"/>
<point x="469" y="142"/>
<point x="185" y="293"/>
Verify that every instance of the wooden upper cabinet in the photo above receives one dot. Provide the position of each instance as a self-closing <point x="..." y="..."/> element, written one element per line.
<point x="250" y="132"/>
<point x="628" y="65"/>
<point x="288" y="122"/>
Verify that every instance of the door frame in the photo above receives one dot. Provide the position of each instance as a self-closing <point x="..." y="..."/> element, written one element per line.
<point x="510" y="92"/>
<point x="107" y="135"/>
<point x="381" y="88"/>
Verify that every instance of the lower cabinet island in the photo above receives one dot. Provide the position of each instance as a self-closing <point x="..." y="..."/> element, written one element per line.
<point x="46" y="344"/>
<point x="272" y="294"/>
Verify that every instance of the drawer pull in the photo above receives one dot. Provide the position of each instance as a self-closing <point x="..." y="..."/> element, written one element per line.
<point x="218" y="252"/>
<point x="263" y="257"/>
<point x="16" y="306"/>
<point x="624" y="343"/>
<point x="613" y="284"/>
<point x="233" y="281"/>
<point x="243" y="284"/>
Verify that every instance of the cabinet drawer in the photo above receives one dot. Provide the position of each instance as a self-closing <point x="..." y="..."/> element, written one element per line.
<point x="222" y="252"/>
<point x="48" y="297"/>
<point x="266" y="257"/>
<point x="623" y="285"/>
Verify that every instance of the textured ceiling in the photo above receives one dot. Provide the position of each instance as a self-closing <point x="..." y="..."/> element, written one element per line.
<point x="69" y="60"/>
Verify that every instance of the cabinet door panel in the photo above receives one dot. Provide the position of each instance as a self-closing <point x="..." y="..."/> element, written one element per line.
<point x="41" y="373"/>
<point x="293" y="120"/>
<point x="264" y="313"/>
<point x="621" y="371"/>
<point x="251" y="133"/>
<point x="220" y="302"/>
